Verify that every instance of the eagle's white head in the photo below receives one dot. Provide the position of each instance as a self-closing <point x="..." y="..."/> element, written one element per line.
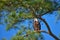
<point x="35" y="19"/>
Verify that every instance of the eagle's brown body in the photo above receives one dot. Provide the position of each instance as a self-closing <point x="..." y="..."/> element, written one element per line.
<point x="37" y="25"/>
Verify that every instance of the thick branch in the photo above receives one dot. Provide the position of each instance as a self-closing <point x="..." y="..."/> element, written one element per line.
<point x="49" y="30"/>
<point x="48" y="27"/>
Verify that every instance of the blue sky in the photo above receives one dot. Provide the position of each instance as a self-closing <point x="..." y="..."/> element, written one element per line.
<point x="50" y="18"/>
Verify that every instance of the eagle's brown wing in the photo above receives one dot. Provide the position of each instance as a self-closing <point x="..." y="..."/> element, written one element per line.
<point x="37" y="26"/>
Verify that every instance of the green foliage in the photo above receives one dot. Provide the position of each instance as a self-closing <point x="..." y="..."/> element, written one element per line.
<point x="18" y="38"/>
<point x="26" y="15"/>
<point x="3" y="38"/>
<point x="13" y="18"/>
<point x="11" y="5"/>
<point x="28" y="35"/>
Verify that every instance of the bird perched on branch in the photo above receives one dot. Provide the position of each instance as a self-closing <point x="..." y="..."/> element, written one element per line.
<point x="37" y="26"/>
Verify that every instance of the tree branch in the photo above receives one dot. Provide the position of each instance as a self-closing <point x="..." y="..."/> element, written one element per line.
<point x="43" y="31"/>
<point x="49" y="30"/>
<point x="39" y="31"/>
<point x="48" y="27"/>
<point x="51" y="11"/>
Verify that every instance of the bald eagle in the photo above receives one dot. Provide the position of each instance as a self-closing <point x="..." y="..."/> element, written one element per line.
<point x="37" y="25"/>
